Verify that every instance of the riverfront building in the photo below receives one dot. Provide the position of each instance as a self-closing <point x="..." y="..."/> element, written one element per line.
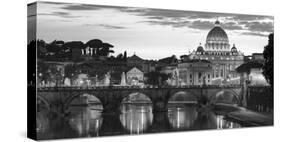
<point x="135" y="76"/>
<point x="195" y="72"/>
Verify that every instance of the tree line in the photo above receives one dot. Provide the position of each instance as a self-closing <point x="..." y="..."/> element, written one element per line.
<point x="59" y="50"/>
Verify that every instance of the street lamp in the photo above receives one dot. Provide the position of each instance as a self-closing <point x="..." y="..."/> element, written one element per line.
<point x="40" y="78"/>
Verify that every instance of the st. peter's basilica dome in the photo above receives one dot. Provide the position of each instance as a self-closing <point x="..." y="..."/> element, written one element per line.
<point x="217" y="39"/>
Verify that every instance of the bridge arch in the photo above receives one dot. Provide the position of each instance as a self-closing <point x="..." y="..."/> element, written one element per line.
<point x="74" y="96"/>
<point x="136" y="117"/>
<point x="187" y="96"/>
<point x="227" y="96"/>
<point x="136" y="96"/>
<point x="45" y="102"/>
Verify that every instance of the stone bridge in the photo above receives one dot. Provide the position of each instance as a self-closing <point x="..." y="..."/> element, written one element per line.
<point x="111" y="97"/>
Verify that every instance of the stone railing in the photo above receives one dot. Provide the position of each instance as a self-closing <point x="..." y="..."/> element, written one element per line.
<point x="57" y="88"/>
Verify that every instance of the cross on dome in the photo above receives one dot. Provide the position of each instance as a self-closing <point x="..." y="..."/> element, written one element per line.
<point x="217" y="23"/>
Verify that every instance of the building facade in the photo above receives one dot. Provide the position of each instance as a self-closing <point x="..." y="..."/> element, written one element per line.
<point x="251" y="71"/>
<point x="135" y="76"/>
<point x="195" y="72"/>
<point x="145" y="65"/>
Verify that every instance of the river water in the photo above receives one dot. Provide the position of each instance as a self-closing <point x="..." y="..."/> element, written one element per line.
<point x="88" y="121"/>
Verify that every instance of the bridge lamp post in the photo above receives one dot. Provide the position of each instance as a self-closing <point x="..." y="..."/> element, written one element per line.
<point x="71" y="79"/>
<point x="40" y="78"/>
<point x="62" y="79"/>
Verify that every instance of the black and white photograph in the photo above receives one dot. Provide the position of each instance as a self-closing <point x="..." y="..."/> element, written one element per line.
<point x="101" y="70"/>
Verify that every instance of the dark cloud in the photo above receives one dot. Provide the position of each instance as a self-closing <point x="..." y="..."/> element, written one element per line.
<point x="197" y="24"/>
<point x="232" y="26"/>
<point x="175" y="24"/>
<point x="192" y="15"/>
<point x="106" y="26"/>
<point x="201" y="25"/>
<point x="88" y="7"/>
<point x="167" y="13"/>
<point x="156" y="17"/>
<point x="60" y="14"/>
<point x="260" y="26"/>
<point x="164" y="13"/>
<point x="205" y="15"/>
<point x="81" y="7"/>
<point x="247" y="18"/>
<point x="255" y="34"/>
<point x="111" y="26"/>
<point x="49" y="2"/>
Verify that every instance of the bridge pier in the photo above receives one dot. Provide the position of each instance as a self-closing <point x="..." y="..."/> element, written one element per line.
<point x="160" y="106"/>
<point x="111" y="124"/>
<point x="111" y="107"/>
<point x="160" y="122"/>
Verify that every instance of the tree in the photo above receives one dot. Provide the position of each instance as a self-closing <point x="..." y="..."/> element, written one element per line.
<point x="119" y="57"/>
<point x="156" y="78"/>
<point x="125" y="56"/>
<point x="268" y="63"/>
<point x="54" y="47"/>
<point x="74" y="44"/>
<point x="96" y="44"/>
<point x="41" y="48"/>
<point x="75" y="48"/>
<point x="105" y="51"/>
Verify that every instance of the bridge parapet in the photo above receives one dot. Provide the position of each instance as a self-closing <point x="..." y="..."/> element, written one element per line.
<point x="68" y="88"/>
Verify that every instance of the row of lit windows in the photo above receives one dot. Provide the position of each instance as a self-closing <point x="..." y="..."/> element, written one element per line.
<point x="212" y="58"/>
<point x="216" y="53"/>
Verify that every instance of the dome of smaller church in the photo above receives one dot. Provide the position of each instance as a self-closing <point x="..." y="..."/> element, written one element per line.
<point x="200" y="48"/>
<point x="233" y="49"/>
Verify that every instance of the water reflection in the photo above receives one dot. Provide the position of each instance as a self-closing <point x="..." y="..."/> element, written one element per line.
<point x="182" y="117"/>
<point x="82" y="122"/>
<point x="191" y="117"/>
<point x="224" y="124"/>
<point x="88" y="121"/>
<point x="136" y="117"/>
<point x="50" y="127"/>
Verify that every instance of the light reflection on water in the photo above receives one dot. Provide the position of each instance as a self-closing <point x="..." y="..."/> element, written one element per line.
<point x="190" y="117"/>
<point x="88" y="121"/>
<point x="182" y="117"/>
<point x="136" y="118"/>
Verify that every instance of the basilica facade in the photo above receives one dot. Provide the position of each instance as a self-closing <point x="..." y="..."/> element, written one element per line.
<point x="214" y="63"/>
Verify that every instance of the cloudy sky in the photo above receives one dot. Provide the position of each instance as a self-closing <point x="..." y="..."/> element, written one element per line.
<point x="150" y="33"/>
